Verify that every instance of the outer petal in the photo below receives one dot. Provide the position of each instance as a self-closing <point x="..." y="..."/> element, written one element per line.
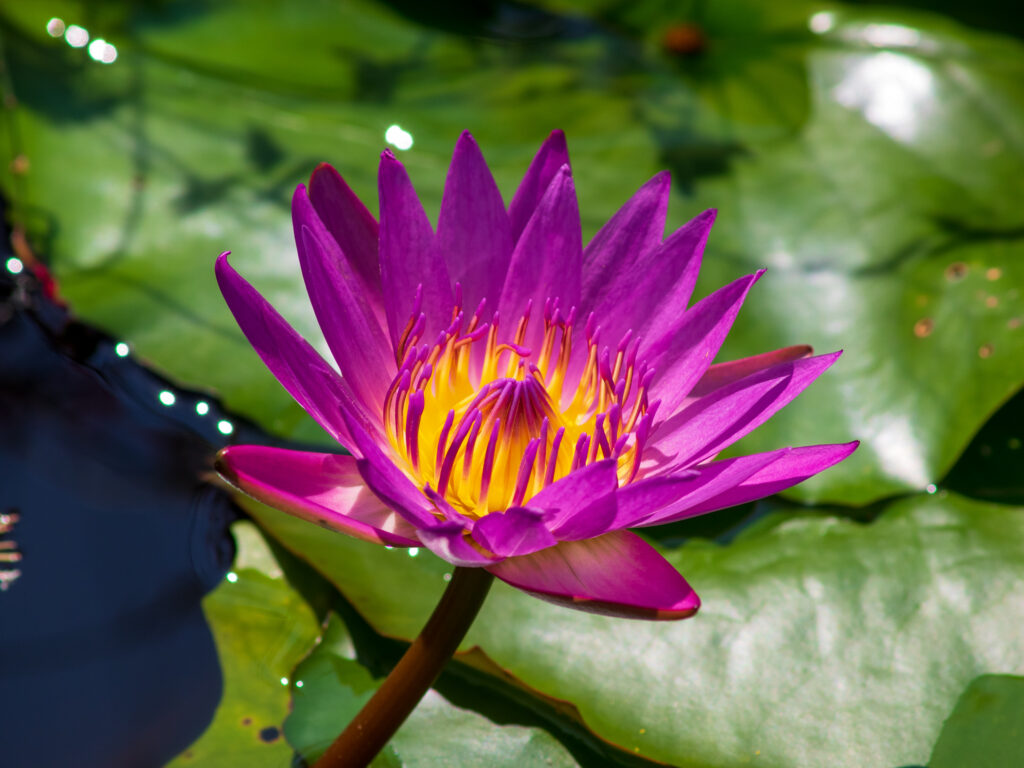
<point x="618" y="574"/>
<point x="354" y="229"/>
<point x="311" y="381"/>
<point x="794" y="467"/>
<point x="409" y="256"/>
<point x="323" y="488"/>
<point x="551" y="156"/>
<point x="547" y="259"/>
<point x="516" y="531"/>
<point x="581" y="505"/>
<point x="362" y="351"/>
<point x="721" y="374"/>
<point x="449" y="542"/>
<point x="682" y="352"/>
<point x="713" y="422"/>
<point x="611" y="257"/>
<point x="473" y="230"/>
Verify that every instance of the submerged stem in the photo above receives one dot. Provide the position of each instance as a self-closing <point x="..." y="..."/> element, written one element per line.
<point x="402" y="690"/>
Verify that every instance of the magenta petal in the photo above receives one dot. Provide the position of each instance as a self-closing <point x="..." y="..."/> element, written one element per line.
<point x="516" y="531"/>
<point x="449" y="542"/>
<point x="356" y="339"/>
<point x="547" y="260"/>
<point x="551" y="156"/>
<point x="720" y="374"/>
<point x="308" y="378"/>
<point x="683" y="351"/>
<point x="794" y="466"/>
<point x="354" y="229"/>
<point x="617" y="249"/>
<point x="618" y="574"/>
<point x="473" y="230"/>
<point x="409" y="257"/>
<point x="581" y="504"/>
<point x="647" y="502"/>
<point x="709" y="424"/>
<point x="323" y="488"/>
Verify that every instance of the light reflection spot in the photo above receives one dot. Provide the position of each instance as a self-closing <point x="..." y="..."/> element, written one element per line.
<point x="121" y="349"/>
<point x="446" y="576"/>
<point x="822" y="22"/>
<point x="232" y="577"/>
<point x="299" y="683"/>
<point x="76" y="36"/>
<point x="55" y="27"/>
<point x="225" y="427"/>
<point x="284" y="681"/>
<point x="397" y="137"/>
<point x="931" y="488"/>
<point x="14" y="265"/>
<point x="167" y="397"/>
<point x="202" y="407"/>
<point x="413" y="551"/>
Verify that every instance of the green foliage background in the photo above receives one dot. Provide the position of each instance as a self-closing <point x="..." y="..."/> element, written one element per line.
<point x="870" y="157"/>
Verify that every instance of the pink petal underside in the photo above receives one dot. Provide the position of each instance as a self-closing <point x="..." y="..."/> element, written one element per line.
<point x="308" y="378"/>
<point x="617" y="574"/>
<point x="322" y="488"/>
<point x="715" y="421"/>
<point x="651" y="501"/>
<point x="409" y="256"/>
<point x="551" y="156"/>
<point x="449" y="542"/>
<point x="473" y="230"/>
<point x="721" y="374"/>
<point x="547" y="260"/>
<point x="611" y="259"/>
<point x="792" y="467"/>
<point x="516" y="531"/>
<point x="362" y="351"/>
<point x="581" y="504"/>
<point x="682" y="351"/>
<point x="354" y="229"/>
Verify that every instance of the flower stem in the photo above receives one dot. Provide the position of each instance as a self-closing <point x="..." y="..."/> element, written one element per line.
<point x="402" y="690"/>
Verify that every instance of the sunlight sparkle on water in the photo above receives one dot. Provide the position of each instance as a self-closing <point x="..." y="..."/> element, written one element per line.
<point x="413" y="551"/>
<point x="397" y="137"/>
<point x="166" y="397"/>
<point x="76" y="36"/>
<point x="102" y="51"/>
<point x="822" y="22"/>
<point x="225" y="427"/>
<point x="202" y="407"/>
<point x="121" y="349"/>
<point x="55" y="27"/>
<point x="14" y="265"/>
<point x="232" y="577"/>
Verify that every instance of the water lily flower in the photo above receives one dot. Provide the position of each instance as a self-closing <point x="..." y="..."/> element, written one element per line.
<point x="512" y="399"/>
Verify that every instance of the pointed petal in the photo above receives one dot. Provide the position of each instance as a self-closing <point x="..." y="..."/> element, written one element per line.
<point x="362" y="351"/>
<point x="547" y="260"/>
<point x="683" y="351"/>
<point x="720" y="374"/>
<point x="307" y="377"/>
<point x="794" y="466"/>
<point x="581" y="505"/>
<point x="323" y="488"/>
<point x="516" y="531"/>
<point x="715" y="421"/>
<point x="409" y="256"/>
<point x="551" y="156"/>
<point x="618" y="574"/>
<point x="611" y="258"/>
<point x="473" y="231"/>
<point x="647" y="502"/>
<point x="354" y="229"/>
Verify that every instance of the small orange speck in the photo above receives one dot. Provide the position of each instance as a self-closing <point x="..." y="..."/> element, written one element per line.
<point x="993" y="273"/>
<point x="1013" y="323"/>
<point x="643" y="730"/>
<point x="636" y="749"/>
<point x="20" y="165"/>
<point x="684" y="40"/>
<point x="991" y="302"/>
<point x="956" y="271"/>
<point x="985" y="351"/>
<point x="924" y="327"/>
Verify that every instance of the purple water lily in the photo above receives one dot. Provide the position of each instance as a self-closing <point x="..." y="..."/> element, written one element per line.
<point x="513" y="400"/>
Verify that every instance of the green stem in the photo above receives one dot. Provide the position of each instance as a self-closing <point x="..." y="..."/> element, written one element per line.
<point x="415" y="672"/>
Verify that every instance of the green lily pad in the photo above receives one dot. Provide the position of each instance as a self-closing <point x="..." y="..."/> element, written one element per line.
<point x="262" y="629"/>
<point x="437" y="735"/>
<point x="986" y="729"/>
<point x="869" y="159"/>
<point x="821" y="642"/>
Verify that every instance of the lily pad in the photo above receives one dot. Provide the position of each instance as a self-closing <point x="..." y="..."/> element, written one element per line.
<point x="436" y="735"/>
<point x="821" y="642"/>
<point x="262" y="629"/>
<point x="986" y="729"/>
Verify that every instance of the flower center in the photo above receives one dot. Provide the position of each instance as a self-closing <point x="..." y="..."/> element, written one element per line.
<point x="487" y="425"/>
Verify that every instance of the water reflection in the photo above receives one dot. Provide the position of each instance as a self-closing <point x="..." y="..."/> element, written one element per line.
<point x="893" y="92"/>
<point x="398" y="138"/>
<point x="55" y="27"/>
<point x="76" y="36"/>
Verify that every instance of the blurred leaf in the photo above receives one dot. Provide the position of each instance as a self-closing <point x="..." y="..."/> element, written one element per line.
<point x="437" y="734"/>
<point x="986" y="729"/>
<point x="262" y="629"/>
<point x="821" y="642"/>
<point x="870" y="159"/>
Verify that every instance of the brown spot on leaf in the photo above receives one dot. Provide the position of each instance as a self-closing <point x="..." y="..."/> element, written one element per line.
<point x="924" y="327"/>
<point x="684" y="40"/>
<point x="985" y="351"/>
<point x="956" y="271"/>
